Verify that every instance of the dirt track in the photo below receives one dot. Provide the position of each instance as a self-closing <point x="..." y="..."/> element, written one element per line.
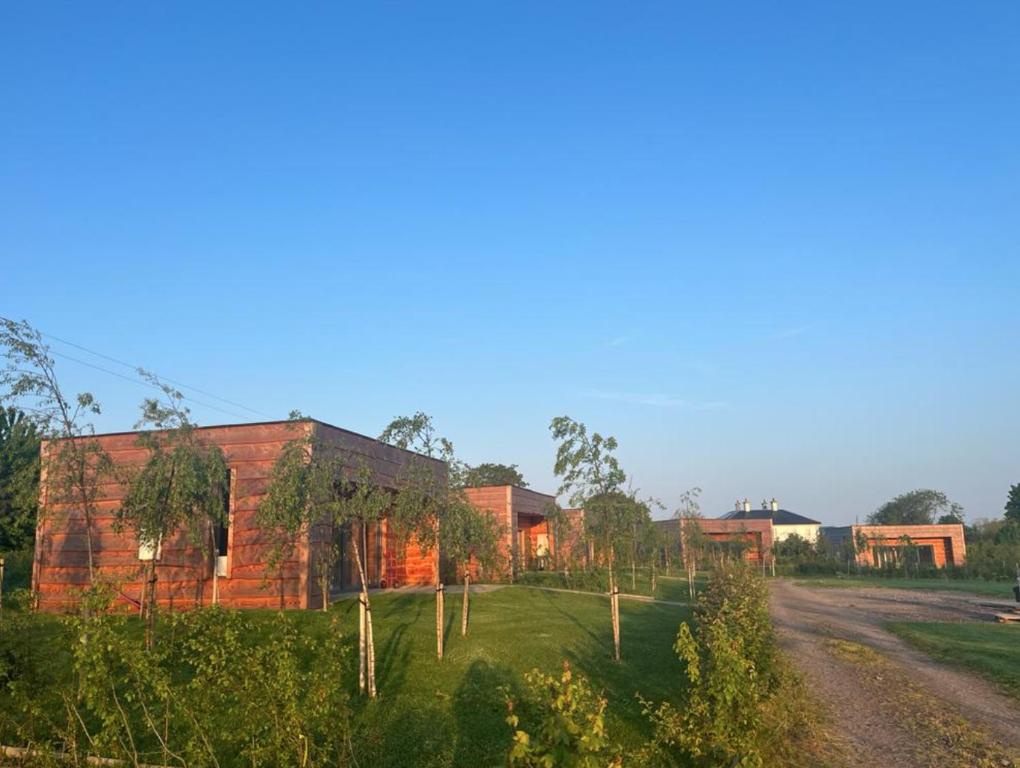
<point x="889" y="704"/>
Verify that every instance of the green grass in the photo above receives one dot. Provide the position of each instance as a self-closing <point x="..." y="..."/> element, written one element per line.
<point x="668" y="586"/>
<point x="991" y="650"/>
<point x="452" y="713"/>
<point x="999" y="589"/>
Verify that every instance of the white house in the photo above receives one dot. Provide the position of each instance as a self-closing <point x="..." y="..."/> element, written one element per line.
<point x="784" y="522"/>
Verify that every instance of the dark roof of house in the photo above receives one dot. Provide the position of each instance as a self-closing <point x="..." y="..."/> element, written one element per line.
<point x="779" y="517"/>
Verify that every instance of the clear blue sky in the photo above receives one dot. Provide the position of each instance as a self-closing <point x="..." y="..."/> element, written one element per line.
<point x="774" y="253"/>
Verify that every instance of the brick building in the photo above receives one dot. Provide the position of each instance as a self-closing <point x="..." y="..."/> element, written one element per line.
<point x="884" y="546"/>
<point x="185" y="572"/>
<point x="527" y="541"/>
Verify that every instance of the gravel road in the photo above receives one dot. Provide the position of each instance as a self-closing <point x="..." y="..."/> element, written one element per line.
<point x="890" y="705"/>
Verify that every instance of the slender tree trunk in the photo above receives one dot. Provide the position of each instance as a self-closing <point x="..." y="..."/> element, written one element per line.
<point x="150" y="617"/>
<point x="324" y="588"/>
<point x="362" y="645"/>
<point x="86" y="506"/>
<point x="215" y="566"/>
<point x="653" y="578"/>
<point x="366" y="645"/>
<point x="464" y="606"/>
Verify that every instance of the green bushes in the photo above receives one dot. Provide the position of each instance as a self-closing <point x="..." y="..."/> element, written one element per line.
<point x="732" y="676"/>
<point x="567" y="721"/>
<point x="741" y="704"/>
<point x="213" y="691"/>
<point x="17" y="569"/>
<point x="594" y="580"/>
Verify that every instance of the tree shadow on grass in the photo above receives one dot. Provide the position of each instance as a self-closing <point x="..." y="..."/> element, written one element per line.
<point x="593" y="636"/>
<point x="393" y="658"/>
<point x="648" y="666"/>
<point x="480" y="711"/>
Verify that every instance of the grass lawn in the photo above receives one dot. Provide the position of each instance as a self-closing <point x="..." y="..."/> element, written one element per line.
<point x="992" y="650"/>
<point x="452" y="713"/>
<point x="668" y="586"/>
<point x="999" y="589"/>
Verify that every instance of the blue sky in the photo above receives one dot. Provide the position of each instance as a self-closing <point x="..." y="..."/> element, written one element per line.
<point x="775" y="254"/>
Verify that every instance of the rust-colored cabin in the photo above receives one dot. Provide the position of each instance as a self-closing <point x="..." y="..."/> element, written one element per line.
<point x="527" y="541"/>
<point x="754" y="536"/>
<point x="185" y="572"/>
<point x="885" y="546"/>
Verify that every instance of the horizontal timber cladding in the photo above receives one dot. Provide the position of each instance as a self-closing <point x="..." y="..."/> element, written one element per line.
<point x="946" y="542"/>
<point x="185" y="570"/>
<point x="521" y="515"/>
<point x="755" y="534"/>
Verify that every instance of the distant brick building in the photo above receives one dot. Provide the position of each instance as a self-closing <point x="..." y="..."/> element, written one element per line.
<point x="185" y="572"/>
<point x="754" y="537"/>
<point x="527" y="540"/>
<point x="882" y="546"/>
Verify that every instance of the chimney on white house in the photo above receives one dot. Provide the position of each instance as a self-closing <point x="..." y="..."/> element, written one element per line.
<point x="747" y="505"/>
<point x="774" y="505"/>
<point x="764" y="504"/>
<point x="736" y="506"/>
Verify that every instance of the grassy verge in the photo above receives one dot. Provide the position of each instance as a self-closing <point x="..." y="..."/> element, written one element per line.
<point x="452" y="713"/>
<point x="991" y="650"/>
<point x="997" y="589"/>
<point x="940" y="736"/>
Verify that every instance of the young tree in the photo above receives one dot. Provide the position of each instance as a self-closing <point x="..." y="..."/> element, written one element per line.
<point x="556" y="518"/>
<point x="180" y="488"/>
<point x="468" y="534"/>
<point x="591" y="474"/>
<point x="286" y="510"/>
<point x="641" y="534"/>
<point x="19" y="478"/>
<point x="692" y="538"/>
<point x="314" y="486"/>
<point x="355" y="502"/>
<point x="424" y="495"/>
<point x="75" y="464"/>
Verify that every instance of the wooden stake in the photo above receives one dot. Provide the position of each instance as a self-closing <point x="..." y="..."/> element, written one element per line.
<point x="439" y="620"/>
<point x="1" y="591"/>
<point x="464" y="607"/>
<point x="615" y="605"/>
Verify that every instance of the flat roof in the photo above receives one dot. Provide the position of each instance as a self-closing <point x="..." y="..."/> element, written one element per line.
<point x="302" y="420"/>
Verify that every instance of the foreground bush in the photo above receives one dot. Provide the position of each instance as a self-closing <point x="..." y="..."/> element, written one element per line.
<point x="732" y="674"/>
<point x="214" y="691"/>
<point x="569" y="724"/>
<point x="741" y="707"/>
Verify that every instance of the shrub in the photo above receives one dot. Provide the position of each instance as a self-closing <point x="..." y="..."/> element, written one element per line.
<point x="17" y="569"/>
<point x="216" y="689"/>
<point x="735" y="682"/>
<point x="567" y="725"/>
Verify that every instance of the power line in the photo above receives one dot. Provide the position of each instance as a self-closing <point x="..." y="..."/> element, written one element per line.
<point x="162" y="378"/>
<point x="136" y="380"/>
<point x="142" y="383"/>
